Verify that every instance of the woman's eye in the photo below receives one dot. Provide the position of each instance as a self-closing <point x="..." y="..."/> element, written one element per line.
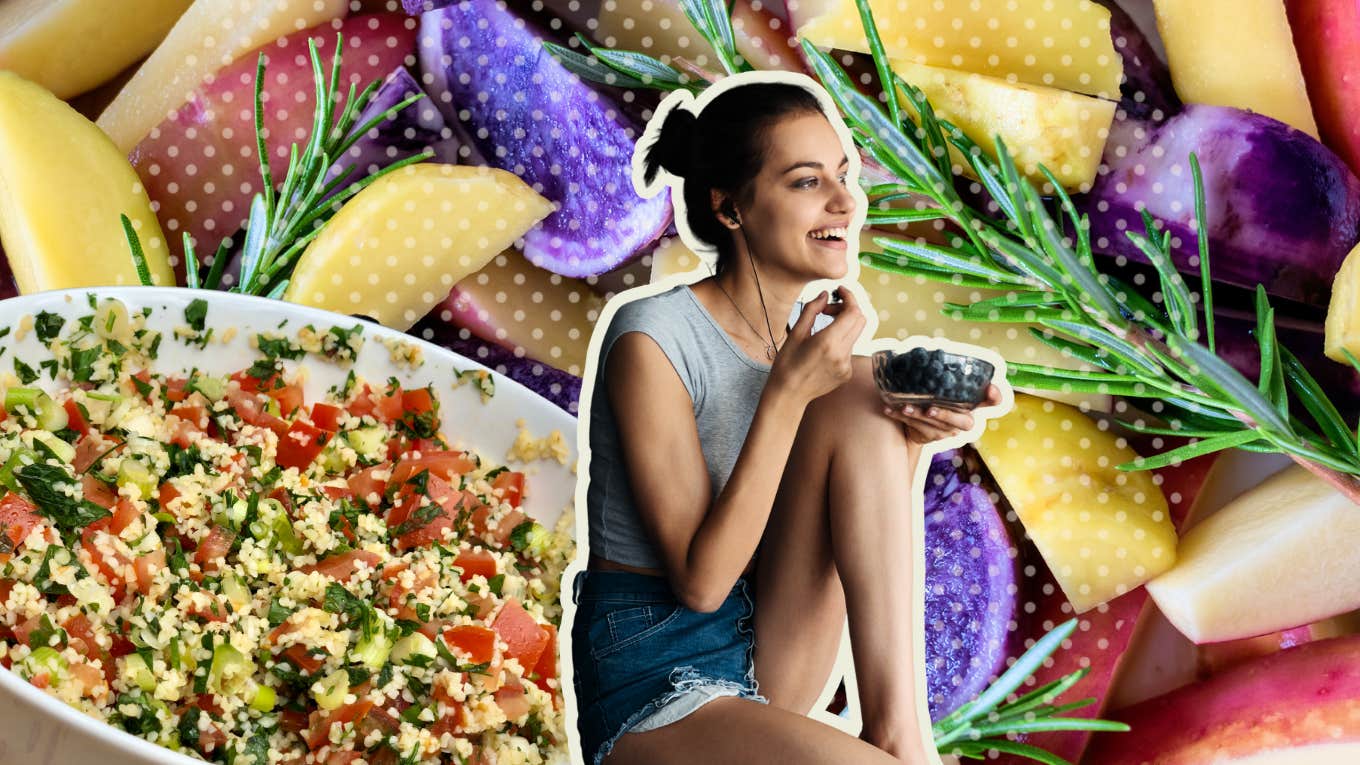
<point x="806" y="183"/>
<point x="843" y="179"/>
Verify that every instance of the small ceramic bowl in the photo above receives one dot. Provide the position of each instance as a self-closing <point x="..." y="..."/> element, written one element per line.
<point x="926" y="378"/>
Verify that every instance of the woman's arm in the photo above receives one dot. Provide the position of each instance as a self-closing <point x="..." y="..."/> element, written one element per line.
<point x="705" y="542"/>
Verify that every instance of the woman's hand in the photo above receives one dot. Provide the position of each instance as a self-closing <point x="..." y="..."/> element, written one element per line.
<point x="809" y="366"/>
<point x="937" y="423"/>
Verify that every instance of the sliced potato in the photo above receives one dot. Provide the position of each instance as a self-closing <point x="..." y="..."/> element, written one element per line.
<point x="72" y="46"/>
<point x="63" y="185"/>
<point x="210" y="35"/>
<point x="396" y="249"/>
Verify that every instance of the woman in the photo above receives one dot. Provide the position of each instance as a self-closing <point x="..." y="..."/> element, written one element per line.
<point x="717" y="429"/>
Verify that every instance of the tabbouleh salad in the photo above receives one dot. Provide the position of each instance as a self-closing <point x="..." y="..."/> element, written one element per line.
<point x="217" y="566"/>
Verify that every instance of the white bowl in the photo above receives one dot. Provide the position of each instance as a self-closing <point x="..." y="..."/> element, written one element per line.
<point x="38" y="728"/>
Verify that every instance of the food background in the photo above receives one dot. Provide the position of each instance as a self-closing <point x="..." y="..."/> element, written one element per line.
<point x="1247" y="624"/>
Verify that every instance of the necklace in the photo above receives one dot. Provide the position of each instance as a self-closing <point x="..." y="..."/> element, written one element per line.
<point x="770" y="347"/>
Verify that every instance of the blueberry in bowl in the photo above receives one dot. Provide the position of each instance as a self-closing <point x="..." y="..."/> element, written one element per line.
<point x="926" y="378"/>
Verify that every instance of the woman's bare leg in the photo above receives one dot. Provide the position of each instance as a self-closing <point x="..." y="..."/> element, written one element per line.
<point x="800" y="606"/>
<point x="849" y="468"/>
<point x="740" y="732"/>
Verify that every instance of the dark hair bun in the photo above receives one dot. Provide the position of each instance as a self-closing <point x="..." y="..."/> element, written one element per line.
<point x="673" y="148"/>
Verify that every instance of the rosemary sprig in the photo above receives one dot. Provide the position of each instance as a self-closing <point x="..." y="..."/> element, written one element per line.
<point x="281" y="224"/>
<point x="988" y="721"/>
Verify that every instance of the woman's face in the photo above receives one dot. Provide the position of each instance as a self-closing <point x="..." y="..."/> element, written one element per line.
<point x="798" y="216"/>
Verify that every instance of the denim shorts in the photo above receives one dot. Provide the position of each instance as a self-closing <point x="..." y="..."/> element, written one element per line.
<point x="642" y="660"/>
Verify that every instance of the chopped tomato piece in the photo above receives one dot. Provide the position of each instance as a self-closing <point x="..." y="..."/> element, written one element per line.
<point x="499" y="533"/>
<point x="451" y="721"/>
<point x="510" y="698"/>
<point x="369" y="484"/>
<point x="81" y="635"/>
<point x="385" y="406"/>
<point x="88" y="449"/>
<point x="301" y="444"/>
<point x="212" y="739"/>
<point x="326" y="416"/>
<point x="192" y="415"/>
<point x="85" y="677"/>
<point x="25" y="628"/>
<point x="18" y="517"/>
<point x="213" y="549"/>
<point x="98" y="492"/>
<point x="388" y="405"/>
<point x="293" y="720"/>
<point x="448" y="465"/>
<point x="362" y="403"/>
<point x="121" y="646"/>
<point x="146" y="567"/>
<point x="174" y="389"/>
<point x="124" y="513"/>
<point x="297" y="653"/>
<point x="110" y="562"/>
<point x="483" y="602"/>
<point x="413" y="524"/>
<point x="510" y="484"/>
<point x="289" y="397"/>
<point x="422" y="578"/>
<point x="427" y="445"/>
<point x="477" y="562"/>
<point x="546" y="668"/>
<point x="320" y="728"/>
<point x="168" y="493"/>
<point x="343" y="566"/>
<point x="75" y="418"/>
<point x="523" y="637"/>
<point x="197" y="415"/>
<point x="251" y="411"/>
<point x="417" y="401"/>
<point x="144" y="377"/>
<point x="478" y="643"/>
<point x="214" y="611"/>
<point x="337" y="492"/>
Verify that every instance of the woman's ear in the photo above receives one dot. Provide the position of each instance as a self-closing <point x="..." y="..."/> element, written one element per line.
<point x="725" y="209"/>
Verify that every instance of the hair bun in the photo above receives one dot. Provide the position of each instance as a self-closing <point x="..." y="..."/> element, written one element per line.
<point x="673" y="148"/>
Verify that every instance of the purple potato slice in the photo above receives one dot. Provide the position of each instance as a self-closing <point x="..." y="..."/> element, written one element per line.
<point x="527" y="114"/>
<point x="971" y="582"/>
<point x="1282" y="209"/>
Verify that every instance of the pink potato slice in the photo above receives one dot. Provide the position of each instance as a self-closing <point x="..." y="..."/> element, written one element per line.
<point x="1300" y="705"/>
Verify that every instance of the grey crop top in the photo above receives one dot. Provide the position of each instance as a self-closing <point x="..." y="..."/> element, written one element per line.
<point x="724" y="384"/>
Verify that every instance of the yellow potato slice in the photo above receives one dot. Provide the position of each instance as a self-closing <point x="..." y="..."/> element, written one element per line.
<point x="396" y="249"/>
<point x="63" y="185"/>
<point x="210" y="35"/>
<point x="71" y="46"/>
<point x="1102" y="531"/>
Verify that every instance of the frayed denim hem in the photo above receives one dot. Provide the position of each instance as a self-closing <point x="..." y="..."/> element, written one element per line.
<point x="684" y="680"/>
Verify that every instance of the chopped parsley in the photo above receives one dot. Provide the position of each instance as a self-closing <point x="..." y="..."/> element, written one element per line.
<point x="196" y="314"/>
<point x="48" y="326"/>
